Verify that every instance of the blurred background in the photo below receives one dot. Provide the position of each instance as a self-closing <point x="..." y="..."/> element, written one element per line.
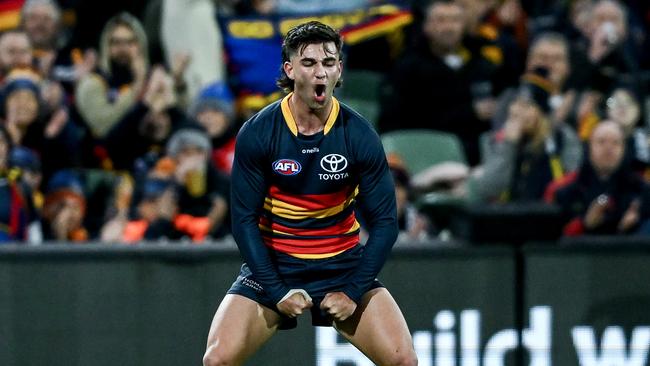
<point x="517" y="133"/>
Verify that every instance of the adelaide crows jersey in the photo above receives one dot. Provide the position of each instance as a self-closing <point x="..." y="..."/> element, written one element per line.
<point x="300" y="191"/>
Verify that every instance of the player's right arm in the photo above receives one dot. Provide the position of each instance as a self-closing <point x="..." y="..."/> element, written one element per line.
<point x="248" y="190"/>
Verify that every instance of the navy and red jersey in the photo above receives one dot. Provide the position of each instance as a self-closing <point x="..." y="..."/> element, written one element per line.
<point x="297" y="194"/>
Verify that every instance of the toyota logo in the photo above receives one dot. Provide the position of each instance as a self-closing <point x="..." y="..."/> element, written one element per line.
<point x="333" y="163"/>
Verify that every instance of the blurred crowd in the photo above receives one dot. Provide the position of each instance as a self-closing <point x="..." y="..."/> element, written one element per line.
<point x="118" y="123"/>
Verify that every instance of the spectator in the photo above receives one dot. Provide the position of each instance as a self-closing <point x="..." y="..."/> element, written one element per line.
<point x="16" y="212"/>
<point x="605" y="196"/>
<point x="55" y="139"/>
<point x="440" y="85"/>
<point x="147" y="125"/>
<point x="217" y="118"/>
<point x="182" y="196"/>
<point x="105" y="96"/>
<point x="606" y="54"/>
<point x="203" y="192"/>
<point x="64" y="208"/>
<point x="624" y="108"/>
<point x="29" y="165"/>
<point x="41" y="21"/>
<point x="549" y="51"/>
<point x="528" y="152"/>
<point x="484" y="38"/>
<point x="26" y="166"/>
<point x="15" y="52"/>
<point x="155" y="213"/>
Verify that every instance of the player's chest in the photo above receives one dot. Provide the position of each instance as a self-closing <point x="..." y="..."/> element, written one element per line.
<point x="323" y="163"/>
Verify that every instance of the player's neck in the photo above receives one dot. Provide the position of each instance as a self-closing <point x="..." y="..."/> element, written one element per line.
<point x="309" y="121"/>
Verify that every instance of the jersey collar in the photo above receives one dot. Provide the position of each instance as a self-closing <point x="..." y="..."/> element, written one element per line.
<point x="291" y="122"/>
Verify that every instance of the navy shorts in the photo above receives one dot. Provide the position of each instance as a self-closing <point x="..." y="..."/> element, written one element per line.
<point x="316" y="276"/>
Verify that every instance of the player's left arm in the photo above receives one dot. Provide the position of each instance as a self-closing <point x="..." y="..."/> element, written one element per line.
<point x="376" y="201"/>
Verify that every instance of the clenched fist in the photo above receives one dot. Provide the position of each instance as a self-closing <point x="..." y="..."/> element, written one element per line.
<point x="294" y="304"/>
<point x="338" y="305"/>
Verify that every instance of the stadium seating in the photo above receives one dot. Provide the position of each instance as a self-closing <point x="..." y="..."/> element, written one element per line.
<point x="421" y="149"/>
<point x="360" y="90"/>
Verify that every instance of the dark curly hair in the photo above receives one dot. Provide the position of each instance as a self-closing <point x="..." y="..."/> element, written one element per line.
<point x="301" y="36"/>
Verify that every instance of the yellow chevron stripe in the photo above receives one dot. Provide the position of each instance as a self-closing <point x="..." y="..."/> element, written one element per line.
<point x="292" y="212"/>
<point x="291" y="122"/>
<point x="289" y="211"/>
<point x="268" y="229"/>
<point x="315" y="256"/>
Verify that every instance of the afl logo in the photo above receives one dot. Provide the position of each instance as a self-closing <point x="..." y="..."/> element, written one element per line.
<point x="333" y="163"/>
<point x="287" y="167"/>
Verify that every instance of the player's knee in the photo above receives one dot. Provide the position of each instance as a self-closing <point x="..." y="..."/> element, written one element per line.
<point x="217" y="356"/>
<point x="404" y="359"/>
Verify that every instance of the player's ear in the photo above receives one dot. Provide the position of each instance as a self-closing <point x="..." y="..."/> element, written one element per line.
<point x="288" y="69"/>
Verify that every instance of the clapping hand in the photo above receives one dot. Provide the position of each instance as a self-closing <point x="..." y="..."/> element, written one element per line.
<point x="630" y="217"/>
<point x="596" y="212"/>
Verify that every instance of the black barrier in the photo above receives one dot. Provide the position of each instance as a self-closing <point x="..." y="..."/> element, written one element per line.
<point x="109" y="305"/>
<point x="588" y="302"/>
<point x="152" y="305"/>
<point x="514" y="223"/>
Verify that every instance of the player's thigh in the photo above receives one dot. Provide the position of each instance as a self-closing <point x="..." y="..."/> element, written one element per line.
<point x="240" y="326"/>
<point x="378" y="329"/>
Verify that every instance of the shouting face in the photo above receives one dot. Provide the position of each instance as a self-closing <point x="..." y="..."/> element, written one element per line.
<point x="315" y="70"/>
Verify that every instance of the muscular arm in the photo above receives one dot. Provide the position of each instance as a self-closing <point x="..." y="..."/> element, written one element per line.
<point x="247" y="197"/>
<point x="376" y="201"/>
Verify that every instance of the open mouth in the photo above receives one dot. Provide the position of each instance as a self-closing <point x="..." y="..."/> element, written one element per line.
<point x="319" y="90"/>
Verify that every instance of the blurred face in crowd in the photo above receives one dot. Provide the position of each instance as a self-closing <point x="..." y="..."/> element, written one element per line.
<point x="553" y="56"/>
<point x="68" y="210"/>
<point x="315" y="70"/>
<point x="41" y="24"/>
<point x="15" y="51"/>
<point x="156" y="126"/>
<point x="580" y="14"/>
<point x="444" y="25"/>
<point x="149" y="209"/>
<point x="624" y="109"/>
<point x="215" y="122"/>
<point x="606" y="12"/>
<point x="32" y="178"/>
<point x="74" y="211"/>
<point x="527" y="113"/>
<point x="188" y="153"/>
<point x="474" y="10"/>
<point x="24" y="106"/>
<point x="123" y="45"/>
<point x="606" y="147"/>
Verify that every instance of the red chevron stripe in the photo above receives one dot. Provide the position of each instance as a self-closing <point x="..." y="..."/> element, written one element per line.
<point x="336" y="229"/>
<point x="318" y="246"/>
<point x="310" y="201"/>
